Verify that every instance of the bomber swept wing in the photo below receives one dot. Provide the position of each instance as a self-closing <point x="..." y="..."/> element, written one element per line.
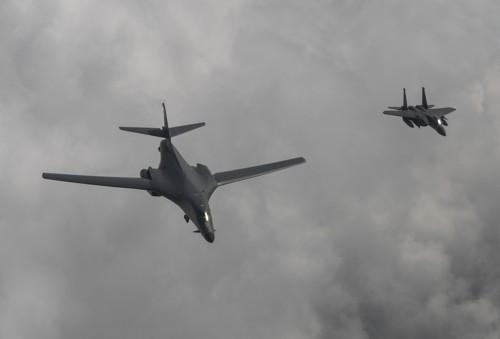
<point x="224" y="178"/>
<point x="123" y="182"/>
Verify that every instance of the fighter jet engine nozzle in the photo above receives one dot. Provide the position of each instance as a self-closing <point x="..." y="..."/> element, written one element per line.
<point x="408" y="122"/>
<point x="443" y="121"/>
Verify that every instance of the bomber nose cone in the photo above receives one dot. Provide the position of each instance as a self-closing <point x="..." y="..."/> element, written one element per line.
<point x="209" y="236"/>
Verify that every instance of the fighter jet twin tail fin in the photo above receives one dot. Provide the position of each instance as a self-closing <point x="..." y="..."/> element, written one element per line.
<point x="405" y="102"/>
<point x="164" y="132"/>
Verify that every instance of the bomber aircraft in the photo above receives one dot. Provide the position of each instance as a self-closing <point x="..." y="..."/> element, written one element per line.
<point x="422" y="115"/>
<point x="190" y="187"/>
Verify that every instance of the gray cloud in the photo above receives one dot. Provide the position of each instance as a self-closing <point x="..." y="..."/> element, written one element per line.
<point x="386" y="232"/>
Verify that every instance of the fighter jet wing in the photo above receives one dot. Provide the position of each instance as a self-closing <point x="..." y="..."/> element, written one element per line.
<point x="134" y="183"/>
<point x="228" y="177"/>
<point x="405" y="114"/>
<point x="440" y="112"/>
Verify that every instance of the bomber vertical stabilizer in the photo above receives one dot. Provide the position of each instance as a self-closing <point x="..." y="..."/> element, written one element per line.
<point x="166" y="131"/>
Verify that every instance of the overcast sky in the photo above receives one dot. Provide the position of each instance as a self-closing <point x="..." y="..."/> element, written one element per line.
<point x="386" y="231"/>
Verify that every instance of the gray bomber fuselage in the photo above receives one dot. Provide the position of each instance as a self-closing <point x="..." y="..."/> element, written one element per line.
<point x="187" y="186"/>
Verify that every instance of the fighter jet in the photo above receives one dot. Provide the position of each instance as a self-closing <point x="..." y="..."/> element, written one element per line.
<point x="422" y="115"/>
<point x="190" y="187"/>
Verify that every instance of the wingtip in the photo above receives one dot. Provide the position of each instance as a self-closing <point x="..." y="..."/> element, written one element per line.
<point x="297" y="161"/>
<point x="47" y="175"/>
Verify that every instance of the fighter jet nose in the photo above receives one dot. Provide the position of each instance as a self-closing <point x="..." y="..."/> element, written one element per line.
<point x="209" y="236"/>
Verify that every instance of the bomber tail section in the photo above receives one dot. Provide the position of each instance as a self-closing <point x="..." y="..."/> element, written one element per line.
<point x="165" y="123"/>
<point x="164" y="132"/>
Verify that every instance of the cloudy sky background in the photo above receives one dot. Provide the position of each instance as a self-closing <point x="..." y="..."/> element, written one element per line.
<point x="385" y="232"/>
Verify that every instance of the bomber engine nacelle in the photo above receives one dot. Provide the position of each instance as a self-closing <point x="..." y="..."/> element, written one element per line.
<point x="408" y="122"/>
<point x="146" y="175"/>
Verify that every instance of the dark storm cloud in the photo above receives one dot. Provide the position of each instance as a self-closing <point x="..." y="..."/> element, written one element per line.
<point x="386" y="232"/>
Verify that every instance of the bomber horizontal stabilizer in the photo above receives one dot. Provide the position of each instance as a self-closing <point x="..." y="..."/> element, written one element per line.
<point x="123" y="182"/>
<point x="223" y="178"/>
<point x="158" y="132"/>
